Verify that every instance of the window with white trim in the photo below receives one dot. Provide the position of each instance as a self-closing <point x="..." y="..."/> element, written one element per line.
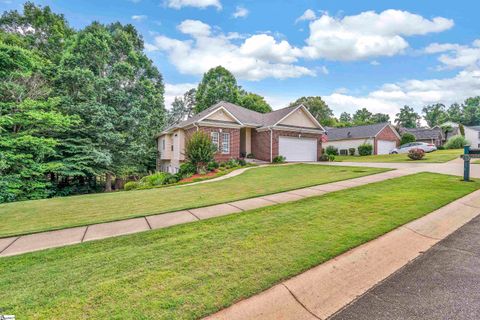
<point x="163" y="144"/>
<point x="215" y="139"/>
<point x="225" y="142"/>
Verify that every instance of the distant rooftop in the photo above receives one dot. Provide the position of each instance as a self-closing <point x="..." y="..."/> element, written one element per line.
<point x="357" y="132"/>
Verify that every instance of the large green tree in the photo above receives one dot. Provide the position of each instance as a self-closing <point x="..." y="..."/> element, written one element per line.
<point x="218" y="84"/>
<point x="407" y="117"/>
<point x="254" y="102"/>
<point x="434" y="114"/>
<point x="318" y="108"/>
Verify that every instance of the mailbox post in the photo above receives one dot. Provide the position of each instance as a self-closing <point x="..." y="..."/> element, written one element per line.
<point x="466" y="163"/>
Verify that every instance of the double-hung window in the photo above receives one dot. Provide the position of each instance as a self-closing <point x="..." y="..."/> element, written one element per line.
<point x="225" y="143"/>
<point x="215" y="139"/>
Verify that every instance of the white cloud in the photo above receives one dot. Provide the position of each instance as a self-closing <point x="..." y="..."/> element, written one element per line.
<point x="139" y="18"/>
<point x="178" y="4"/>
<point x="175" y="90"/>
<point x="457" y="56"/>
<point x="416" y="93"/>
<point x="374" y="63"/>
<point x="240" y="12"/>
<point x="368" y="34"/>
<point x="258" y="57"/>
<point x="309" y="14"/>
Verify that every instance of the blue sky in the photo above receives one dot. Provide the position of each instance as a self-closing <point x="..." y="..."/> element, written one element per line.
<point x="375" y="54"/>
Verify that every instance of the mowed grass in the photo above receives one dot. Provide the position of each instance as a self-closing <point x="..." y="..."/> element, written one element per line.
<point x="438" y="156"/>
<point x="57" y="213"/>
<point x="189" y="271"/>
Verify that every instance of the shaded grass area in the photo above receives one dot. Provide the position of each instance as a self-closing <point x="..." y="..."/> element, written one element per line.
<point x="189" y="271"/>
<point x="438" y="156"/>
<point x="57" y="213"/>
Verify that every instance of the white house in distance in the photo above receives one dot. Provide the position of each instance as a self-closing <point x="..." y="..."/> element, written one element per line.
<point x="472" y="134"/>
<point x="382" y="136"/>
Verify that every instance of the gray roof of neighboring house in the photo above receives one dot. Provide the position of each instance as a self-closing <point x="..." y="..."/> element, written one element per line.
<point x="358" y="132"/>
<point x="424" y="133"/>
<point x="244" y="115"/>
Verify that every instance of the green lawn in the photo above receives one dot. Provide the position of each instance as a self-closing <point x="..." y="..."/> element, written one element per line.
<point x="40" y="215"/>
<point x="189" y="271"/>
<point x="438" y="156"/>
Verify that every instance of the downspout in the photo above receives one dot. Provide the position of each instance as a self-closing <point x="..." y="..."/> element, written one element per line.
<point x="195" y="125"/>
<point x="271" y="144"/>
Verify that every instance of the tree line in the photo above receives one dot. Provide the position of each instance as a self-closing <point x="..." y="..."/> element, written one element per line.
<point x="219" y="84"/>
<point x="75" y="105"/>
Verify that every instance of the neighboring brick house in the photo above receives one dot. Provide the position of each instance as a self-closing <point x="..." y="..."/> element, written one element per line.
<point x="382" y="136"/>
<point x="292" y="132"/>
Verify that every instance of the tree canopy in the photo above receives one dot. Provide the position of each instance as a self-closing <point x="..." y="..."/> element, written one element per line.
<point x="407" y="117"/>
<point x="318" y="108"/>
<point x="73" y="104"/>
<point x="218" y="84"/>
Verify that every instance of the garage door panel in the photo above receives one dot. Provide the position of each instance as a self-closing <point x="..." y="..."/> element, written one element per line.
<point x="385" y="146"/>
<point x="298" y="149"/>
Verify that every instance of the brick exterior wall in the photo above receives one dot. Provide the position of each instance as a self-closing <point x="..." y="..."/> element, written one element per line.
<point x="386" y="134"/>
<point x="234" y="141"/>
<point x="261" y="145"/>
<point x="261" y="142"/>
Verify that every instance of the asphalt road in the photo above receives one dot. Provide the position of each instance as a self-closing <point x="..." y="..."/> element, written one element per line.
<point x="443" y="283"/>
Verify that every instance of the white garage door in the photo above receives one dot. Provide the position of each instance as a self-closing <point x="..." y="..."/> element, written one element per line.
<point x="385" y="146"/>
<point x="298" y="149"/>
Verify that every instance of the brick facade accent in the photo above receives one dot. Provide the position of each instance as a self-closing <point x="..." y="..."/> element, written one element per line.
<point x="261" y="145"/>
<point x="388" y="134"/>
<point x="261" y="142"/>
<point x="234" y="141"/>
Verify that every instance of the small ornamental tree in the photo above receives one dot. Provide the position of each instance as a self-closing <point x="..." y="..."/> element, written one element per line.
<point x="200" y="150"/>
<point x="331" y="150"/>
<point x="407" y="137"/>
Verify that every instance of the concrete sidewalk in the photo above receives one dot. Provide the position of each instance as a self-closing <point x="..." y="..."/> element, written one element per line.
<point x="321" y="291"/>
<point x="51" y="239"/>
<point x="444" y="283"/>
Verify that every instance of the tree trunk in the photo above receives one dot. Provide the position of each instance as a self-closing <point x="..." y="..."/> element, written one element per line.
<point x="108" y="182"/>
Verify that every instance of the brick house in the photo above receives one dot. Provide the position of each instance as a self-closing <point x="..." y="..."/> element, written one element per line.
<point x="382" y="136"/>
<point x="237" y="132"/>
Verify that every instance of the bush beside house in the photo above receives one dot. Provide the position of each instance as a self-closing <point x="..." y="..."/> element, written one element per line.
<point x="407" y="137"/>
<point x="331" y="150"/>
<point x="456" y="142"/>
<point x="416" y="154"/>
<point x="365" y="149"/>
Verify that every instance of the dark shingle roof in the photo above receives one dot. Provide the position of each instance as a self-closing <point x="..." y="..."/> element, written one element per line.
<point x="358" y="132"/>
<point x="424" y="133"/>
<point x="244" y="115"/>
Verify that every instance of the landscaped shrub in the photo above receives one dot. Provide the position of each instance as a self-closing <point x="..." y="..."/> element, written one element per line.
<point x="365" y="149"/>
<point x="156" y="179"/>
<point x="187" y="168"/>
<point x="250" y="156"/>
<point x="231" y="163"/>
<point x="242" y="162"/>
<point x="456" y="142"/>
<point x="200" y="150"/>
<point x="212" y="165"/>
<point x="416" y="154"/>
<point x="323" y="157"/>
<point x="440" y="148"/>
<point x="407" y="137"/>
<point x="131" y="185"/>
<point x="331" y="150"/>
<point x="331" y="157"/>
<point x="279" y="159"/>
<point x="351" y="151"/>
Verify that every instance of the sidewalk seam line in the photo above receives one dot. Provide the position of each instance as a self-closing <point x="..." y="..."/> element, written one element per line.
<point x="300" y="303"/>
<point x="236" y="207"/>
<point x="148" y="223"/>
<point x="421" y="234"/>
<point x="470" y="205"/>
<point x="4" y="249"/>
<point x="193" y="214"/>
<point x="84" y="234"/>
